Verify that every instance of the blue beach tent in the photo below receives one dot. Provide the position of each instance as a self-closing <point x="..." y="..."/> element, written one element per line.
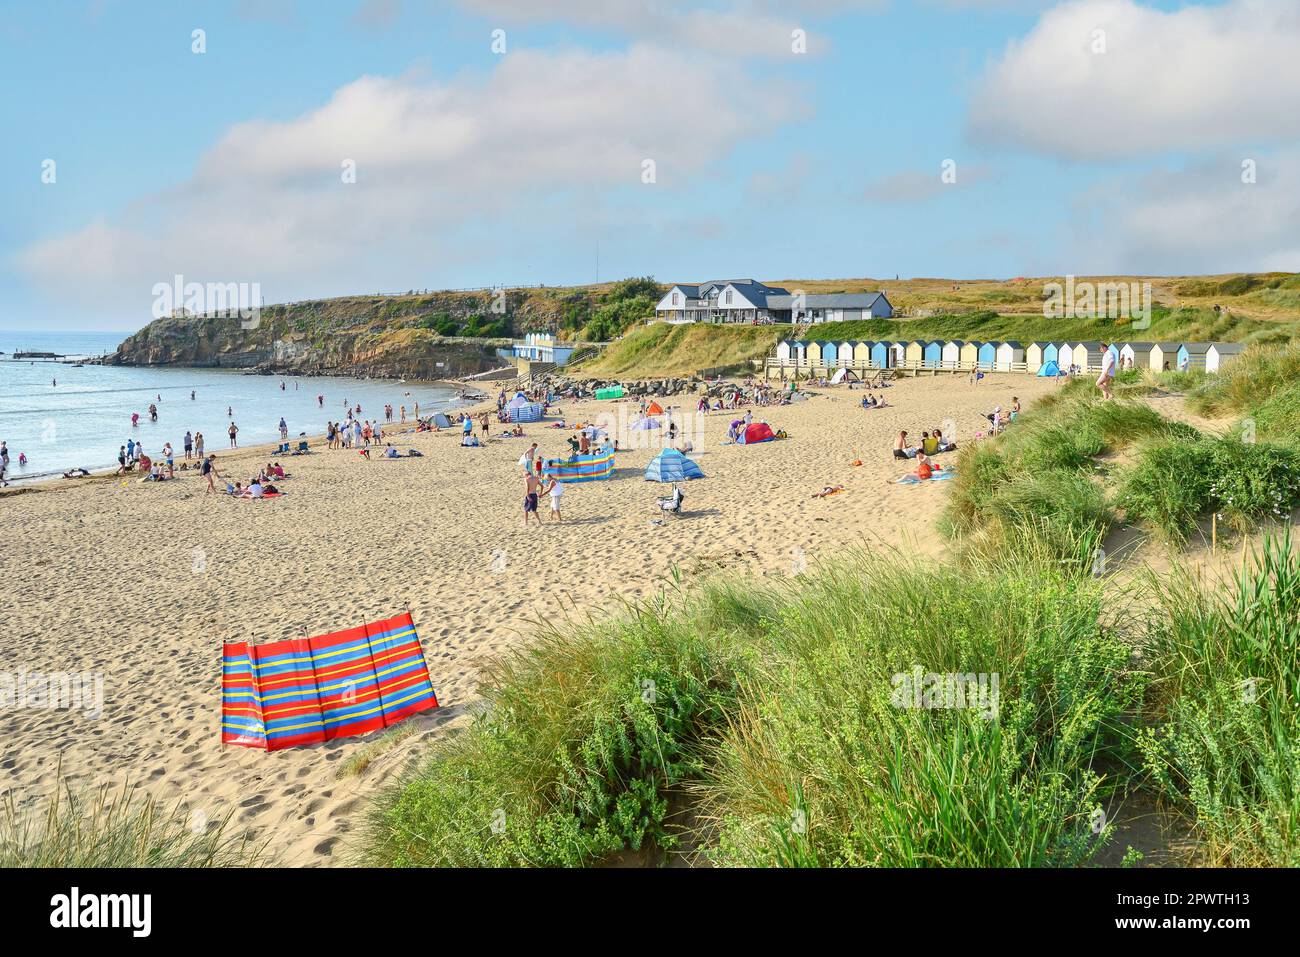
<point x="672" y="466"/>
<point x="1049" y="369"/>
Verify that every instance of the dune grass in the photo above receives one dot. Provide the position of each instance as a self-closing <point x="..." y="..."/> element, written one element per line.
<point x="763" y="701"/>
<point x="116" y="828"/>
<point x="682" y="350"/>
<point x="1263" y="384"/>
<point x="1041" y="474"/>
<point x="1224" y="735"/>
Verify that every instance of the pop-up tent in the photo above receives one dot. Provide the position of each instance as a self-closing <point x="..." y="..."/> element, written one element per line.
<point x="844" y="375"/>
<point x="672" y="466"/>
<point x="441" y="421"/>
<point x="613" y="392"/>
<point x="756" y="432"/>
<point x="655" y="409"/>
<point x="1049" y="368"/>
<point x="646" y="423"/>
<point x="521" y="410"/>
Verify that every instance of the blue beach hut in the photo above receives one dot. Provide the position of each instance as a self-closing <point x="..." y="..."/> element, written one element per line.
<point x="933" y="355"/>
<point x="988" y="355"/>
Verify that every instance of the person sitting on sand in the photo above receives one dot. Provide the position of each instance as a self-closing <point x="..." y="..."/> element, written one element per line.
<point x="76" y="473"/>
<point x="929" y="443"/>
<point x="901" y="449"/>
<point x="278" y="470"/>
<point x="944" y="444"/>
<point x="255" y="489"/>
<point x="390" y="452"/>
<point x="924" y="468"/>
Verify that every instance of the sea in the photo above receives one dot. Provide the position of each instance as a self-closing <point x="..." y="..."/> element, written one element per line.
<point x="62" y="416"/>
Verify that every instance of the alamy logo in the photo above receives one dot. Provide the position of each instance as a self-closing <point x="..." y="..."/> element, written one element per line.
<point x="934" y="691"/>
<point x="1088" y="300"/>
<point x="103" y="910"/>
<point x="221" y="300"/>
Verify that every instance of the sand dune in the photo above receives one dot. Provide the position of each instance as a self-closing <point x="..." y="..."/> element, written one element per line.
<point x="142" y="582"/>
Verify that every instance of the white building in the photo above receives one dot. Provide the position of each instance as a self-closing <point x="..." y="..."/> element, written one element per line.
<point x="746" y="300"/>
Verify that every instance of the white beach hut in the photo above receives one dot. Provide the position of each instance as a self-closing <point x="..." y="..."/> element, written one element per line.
<point x="1008" y="354"/>
<point x="1163" y="354"/>
<point x="1220" y="353"/>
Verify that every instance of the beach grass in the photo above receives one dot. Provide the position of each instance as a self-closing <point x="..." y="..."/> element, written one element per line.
<point x="116" y="828"/>
<point x="1223" y="742"/>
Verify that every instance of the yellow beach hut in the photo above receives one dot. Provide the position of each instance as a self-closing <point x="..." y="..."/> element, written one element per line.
<point x="970" y="354"/>
<point x="915" y="354"/>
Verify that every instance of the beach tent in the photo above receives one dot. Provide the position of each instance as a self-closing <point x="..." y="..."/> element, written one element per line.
<point x="862" y="354"/>
<point x="646" y="423"/>
<point x="519" y="409"/>
<point x="1034" y="356"/>
<point x="933" y="355"/>
<point x="655" y="409"/>
<point x="1008" y="354"/>
<point x="1065" y="355"/>
<point x="377" y="677"/>
<point x="1049" y="369"/>
<point x="970" y="354"/>
<point x="914" y="353"/>
<point x="611" y="392"/>
<point x="845" y="375"/>
<point x="988" y="355"/>
<point x="1194" y="353"/>
<point x="1162" y="352"/>
<point x="881" y="355"/>
<point x="441" y="421"/>
<point x="830" y="353"/>
<point x="580" y="468"/>
<point x="952" y="353"/>
<point x="1135" y="354"/>
<point x="1219" y="354"/>
<point x="756" y="432"/>
<point x="672" y="466"/>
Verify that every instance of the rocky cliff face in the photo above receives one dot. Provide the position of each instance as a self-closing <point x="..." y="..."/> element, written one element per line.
<point x="359" y="337"/>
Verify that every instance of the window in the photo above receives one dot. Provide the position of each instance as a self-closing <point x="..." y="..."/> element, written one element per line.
<point x="728" y="297"/>
<point x="676" y="297"/>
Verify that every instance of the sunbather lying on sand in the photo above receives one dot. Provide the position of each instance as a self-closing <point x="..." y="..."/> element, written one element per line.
<point x="828" y="490"/>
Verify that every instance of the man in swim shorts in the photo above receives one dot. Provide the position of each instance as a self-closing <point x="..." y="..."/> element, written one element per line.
<point x="531" y="485"/>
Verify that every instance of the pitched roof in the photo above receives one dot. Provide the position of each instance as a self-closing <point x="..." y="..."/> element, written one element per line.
<point x="1197" y="347"/>
<point x="1226" y="348"/>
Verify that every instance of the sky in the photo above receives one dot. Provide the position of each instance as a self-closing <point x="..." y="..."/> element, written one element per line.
<point x="312" y="148"/>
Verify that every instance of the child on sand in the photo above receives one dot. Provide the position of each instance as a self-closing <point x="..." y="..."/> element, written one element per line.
<point x="556" y="491"/>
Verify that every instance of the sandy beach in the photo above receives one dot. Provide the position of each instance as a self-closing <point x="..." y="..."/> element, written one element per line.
<point x="142" y="583"/>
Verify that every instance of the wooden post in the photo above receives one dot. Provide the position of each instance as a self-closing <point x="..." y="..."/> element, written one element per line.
<point x="1214" y="532"/>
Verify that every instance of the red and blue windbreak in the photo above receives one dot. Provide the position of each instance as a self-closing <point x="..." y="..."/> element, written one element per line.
<point x="307" y="690"/>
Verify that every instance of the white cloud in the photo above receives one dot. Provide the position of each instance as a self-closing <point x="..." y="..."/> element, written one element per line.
<point x="1202" y="219"/>
<point x="1193" y="79"/>
<point x="915" y="186"/>
<point x="438" y="164"/>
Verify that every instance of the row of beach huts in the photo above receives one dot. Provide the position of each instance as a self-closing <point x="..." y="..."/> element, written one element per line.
<point x="799" y="358"/>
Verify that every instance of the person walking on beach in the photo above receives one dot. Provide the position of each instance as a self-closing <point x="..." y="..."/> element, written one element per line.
<point x="531" y="487"/>
<point x="121" y="460"/>
<point x="198" y="445"/>
<point x="234" y="430"/>
<point x="556" y="491"/>
<point x="167" y="454"/>
<point x="284" y="430"/>
<point x="188" y="445"/>
<point x="210" y="470"/>
<point x="1107" y="372"/>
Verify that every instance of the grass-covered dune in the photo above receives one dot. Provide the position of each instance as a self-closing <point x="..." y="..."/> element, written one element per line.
<point x="662" y="350"/>
<point x="788" y="719"/>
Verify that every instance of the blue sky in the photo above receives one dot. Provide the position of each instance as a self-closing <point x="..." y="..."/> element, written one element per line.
<point x="1088" y="136"/>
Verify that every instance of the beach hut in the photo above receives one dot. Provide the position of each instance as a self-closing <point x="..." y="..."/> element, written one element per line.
<point x="933" y="355"/>
<point x="1034" y="356"/>
<point x="1008" y="354"/>
<point x="1050" y="352"/>
<point x="1191" y="355"/>
<point x="672" y="466"/>
<point x="970" y="354"/>
<point x="1163" y="353"/>
<point x="881" y="355"/>
<point x="1134" y="354"/>
<point x="799" y="353"/>
<point x="861" y="355"/>
<point x="1064" y="355"/>
<point x="830" y="354"/>
<point x="1221" y="353"/>
<point x="845" y="354"/>
<point x="815" y="354"/>
<point x="898" y="353"/>
<point x="952" y="353"/>
<point x="783" y="351"/>
<point x="988" y="355"/>
<point x="1087" y="355"/>
<point x="914" y="353"/>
